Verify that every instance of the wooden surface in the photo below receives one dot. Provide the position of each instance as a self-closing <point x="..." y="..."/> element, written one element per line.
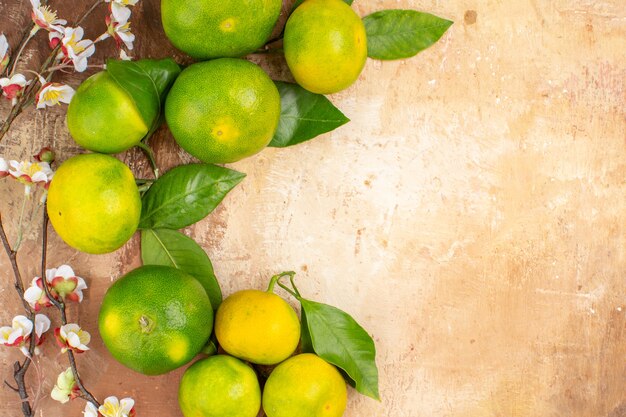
<point x="472" y="216"/>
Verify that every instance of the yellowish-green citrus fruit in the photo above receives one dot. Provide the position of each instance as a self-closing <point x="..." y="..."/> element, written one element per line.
<point x="155" y="319"/>
<point x="325" y="45"/>
<point x="257" y="326"/>
<point x="207" y="29"/>
<point x="219" y="386"/>
<point x="102" y="117"/>
<point x="223" y="110"/>
<point x="305" y="386"/>
<point x="93" y="203"/>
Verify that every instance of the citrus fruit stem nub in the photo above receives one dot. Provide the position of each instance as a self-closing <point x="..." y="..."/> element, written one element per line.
<point x="147" y="324"/>
<point x="276" y="280"/>
<point x="150" y="154"/>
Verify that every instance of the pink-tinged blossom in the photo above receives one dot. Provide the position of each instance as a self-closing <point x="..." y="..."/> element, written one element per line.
<point x="13" y="87"/>
<point x="21" y="327"/>
<point x="44" y="18"/>
<point x="120" y="31"/>
<point x="35" y="295"/>
<point x="76" y="49"/>
<point x="112" y="407"/>
<point x="52" y="94"/>
<point x="66" y="284"/>
<point x="31" y="173"/>
<point x="63" y="284"/>
<point x="20" y="332"/>
<point x="72" y="337"/>
<point x="4" y="52"/>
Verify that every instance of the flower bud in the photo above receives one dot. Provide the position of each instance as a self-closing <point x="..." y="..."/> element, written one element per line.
<point x="45" y="155"/>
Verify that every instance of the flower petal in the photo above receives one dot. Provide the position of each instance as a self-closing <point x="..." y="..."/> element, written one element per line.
<point x="127" y="404"/>
<point x="90" y="410"/>
<point x="120" y="12"/>
<point x="42" y="324"/>
<point x="65" y="271"/>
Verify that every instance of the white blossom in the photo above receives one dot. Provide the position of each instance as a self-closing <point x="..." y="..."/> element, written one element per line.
<point x="31" y="173"/>
<point x="13" y="87"/>
<point x="76" y="49"/>
<point x="72" y="337"/>
<point x="44" y="18"/>
<point x="112" y="407"/>
<point x="52" y="94"/>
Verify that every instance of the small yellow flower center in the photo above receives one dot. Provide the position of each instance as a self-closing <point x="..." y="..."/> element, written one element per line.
<point x="48" y="15"/>
<point x="32" y="169"/>
<point x="125" y="28"/>
<point x="74" y="45"/>
<point x="109" y="409"/>
<point x="52" y="95"/>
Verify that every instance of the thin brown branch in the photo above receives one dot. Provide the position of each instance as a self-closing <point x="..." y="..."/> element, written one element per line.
<point x="19" y="374"/>
<point x="79" y="382"/>
<point x="18" y="283"/>
<point x="88" y="12"/>
<point x="60" y="305"/>
<point x="10" y="386"/>
<point x="20" y="369"/>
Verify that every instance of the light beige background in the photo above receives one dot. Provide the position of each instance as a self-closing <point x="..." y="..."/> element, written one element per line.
<point x="472" y="216"/>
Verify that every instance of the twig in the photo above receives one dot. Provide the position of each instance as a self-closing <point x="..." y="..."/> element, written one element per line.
<point x="20" y="369"/>
<point x="22" y="41"/>
<point x="19" y="284"/>
<point x="10" y="386"/>
<point x="88" y="12"/>
<point x="60" y="305"/>
<point x="19" y="52"/>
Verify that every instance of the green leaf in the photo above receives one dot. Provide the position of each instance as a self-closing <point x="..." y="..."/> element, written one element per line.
<point x="397" y="34"/>
<point x="299" y="2"/>
<point x="337" y="338"/>
<point x="172" y="248"/>
<point x="306" y="343"/>
<point x="146" y="82"/>
<point x="304" y="115"/>
<point x="162" y="72"/>
<point x="186" y="195"/>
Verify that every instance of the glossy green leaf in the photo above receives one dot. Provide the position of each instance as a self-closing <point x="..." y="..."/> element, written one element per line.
<point x="146" y="82"/>
<point x="172" y="248"/>
<point x="337" y="338"/>
<point x="163" y="73"/>
<point x="397" y="34"/>
<point x="304" y="115"/>
<point x="299" y="2"/>
<point x="186" y="195"/>
<point x="306" y="344"/>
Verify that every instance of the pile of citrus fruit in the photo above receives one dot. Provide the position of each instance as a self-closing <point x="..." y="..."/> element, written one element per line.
<point x="221" y="109"/>
<point x="172" y="321"/>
